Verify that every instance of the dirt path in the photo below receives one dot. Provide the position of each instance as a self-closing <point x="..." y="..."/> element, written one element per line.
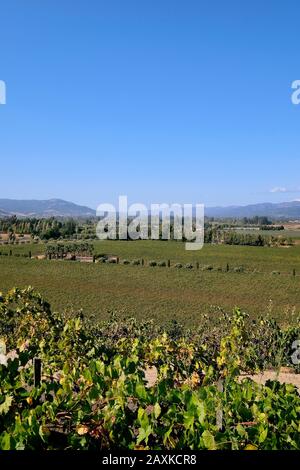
<point x="283" y="376"/>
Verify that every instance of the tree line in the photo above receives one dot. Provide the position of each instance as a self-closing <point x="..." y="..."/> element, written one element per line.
<point x="47" y="229"/>
<point x="59" y="229"/>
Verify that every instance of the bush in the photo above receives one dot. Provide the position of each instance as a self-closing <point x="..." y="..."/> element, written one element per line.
<point x="238" y="269"/>
<point x="178" y="265"/>
<point x="152" y="263"/>
<point x="275" y="273"/>
<point x="112" y="261"/>
<point x="136" y="262"/>
<point x="188" y="266"/>
<point x="126" y="261"/>
<point x="207" y="267"/>
<point x="162" y="264"/>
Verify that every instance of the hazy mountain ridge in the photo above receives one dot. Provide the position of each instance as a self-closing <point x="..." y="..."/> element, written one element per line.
<point x="43" y="208"/>
<point x="61" y="208"/>
<point x="3" y="214"/>
<point x="282" y="210"/>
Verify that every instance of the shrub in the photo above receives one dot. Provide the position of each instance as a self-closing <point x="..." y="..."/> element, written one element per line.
<point x="136" y="262"/>
<point x="162" y="264"/>
<point x="112" y="261"/>
<point x="178" y="265"/>
<point x="275" y="273"/>
<point x="126" y="261"/>
<point x="207" y="267"/>
<point x="238" y="269"/>
<point x="152" y="263"/>
<point x="188" y="266"/>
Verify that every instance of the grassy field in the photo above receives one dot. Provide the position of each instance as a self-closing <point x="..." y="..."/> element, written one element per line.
<point x="262" y="259"/>
<point x="288" y="233"/>
<point x="163" y="293"/>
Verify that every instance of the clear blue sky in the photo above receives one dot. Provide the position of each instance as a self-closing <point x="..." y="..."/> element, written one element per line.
<point x="162" y="100"/>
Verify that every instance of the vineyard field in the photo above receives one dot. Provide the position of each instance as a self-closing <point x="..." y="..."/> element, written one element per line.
<point x="66" y="384"/>
<point x="158" y="292"/>
<point x="262" y="259"/>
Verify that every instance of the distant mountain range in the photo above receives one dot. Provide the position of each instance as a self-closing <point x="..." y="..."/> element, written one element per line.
<point x="47" y="208"/>
<point x="283" y="210"/>
<point x="61" y="208"/>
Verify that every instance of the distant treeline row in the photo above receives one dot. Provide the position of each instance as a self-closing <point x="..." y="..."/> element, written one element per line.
<point x="47" y="229"/>
<point x="59" y="229"/>
<point x="248" y="239"/>
<point x="244" y="221"/>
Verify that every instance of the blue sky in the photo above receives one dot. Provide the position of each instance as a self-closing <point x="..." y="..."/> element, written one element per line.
<point x="161" y="100"/>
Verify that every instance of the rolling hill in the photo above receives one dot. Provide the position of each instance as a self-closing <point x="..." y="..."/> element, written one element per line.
<point x="43" y="208"/>
<point x="283" y="210"/>
<point x="61" y="208"/>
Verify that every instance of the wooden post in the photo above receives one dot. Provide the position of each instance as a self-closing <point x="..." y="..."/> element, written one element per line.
<point x="10" y="252"/>
<point x="197" y="264"/>
<point x="143" y="262"/>
<point x="29" y="254"/>
<point x="94" y="259"/>
<point x="294" y="272"/>
<point x="227" y="268"/>
<point x="37" y="371"/>
<point x="219" y="412"/>
<point x="169" y="263"/>
<point x="118" y="260"/>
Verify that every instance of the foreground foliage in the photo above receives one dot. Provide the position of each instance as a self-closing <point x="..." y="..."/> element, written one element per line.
<point x="94" y="393"/>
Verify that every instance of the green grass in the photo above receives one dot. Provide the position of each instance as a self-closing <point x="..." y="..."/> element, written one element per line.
<point x="35" y="248"/>
<point x="288" y="233"/>
<point x="295" y="234"/>
<point x="262" y="259"/>
<point x="163" y="293"/>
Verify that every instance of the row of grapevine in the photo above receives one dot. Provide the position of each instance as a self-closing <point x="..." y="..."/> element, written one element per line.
<point x="93" y="392"/>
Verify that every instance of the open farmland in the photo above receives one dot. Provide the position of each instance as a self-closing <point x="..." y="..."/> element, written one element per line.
<point x="163" y="293"/>
<point x="262" y="259"/>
